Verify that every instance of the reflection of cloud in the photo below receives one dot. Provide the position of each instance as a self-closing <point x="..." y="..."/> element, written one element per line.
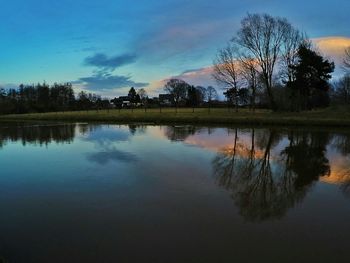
<point x="340" y="170"/>
<point x="111" y="155"/>
<point x="104" y="139"/>
<point x="107" y="135"/>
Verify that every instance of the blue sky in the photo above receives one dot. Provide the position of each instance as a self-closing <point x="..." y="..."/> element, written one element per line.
<point x="106" y="46"/>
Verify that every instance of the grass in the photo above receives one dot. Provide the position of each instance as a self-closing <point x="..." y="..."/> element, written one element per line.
<point x="336" y="116"/>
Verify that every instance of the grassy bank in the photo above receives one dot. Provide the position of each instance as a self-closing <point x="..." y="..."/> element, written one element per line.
<point x="326" y="117"/>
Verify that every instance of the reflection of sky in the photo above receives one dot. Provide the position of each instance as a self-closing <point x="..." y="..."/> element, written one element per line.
<point x="115" y="145"/>
<point x="126" y="44"/>
<point x="144" y="188"/>
<point x="103" y="134"/>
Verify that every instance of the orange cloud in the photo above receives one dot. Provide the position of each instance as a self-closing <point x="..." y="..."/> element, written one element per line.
<point x="333" y="47"/>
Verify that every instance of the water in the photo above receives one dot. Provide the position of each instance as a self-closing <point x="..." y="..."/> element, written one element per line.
<point x="110" y="193"/>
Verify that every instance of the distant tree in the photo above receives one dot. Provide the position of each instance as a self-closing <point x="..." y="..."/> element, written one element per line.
<point x="3" y="94"/>
<point x="227" y="72"/>
<point x="143" y="97"/>
<point x="137" y="98"/>
<point x="211" y="94"/>
<point x="341" y="91"/>
<point x="83" y="101"/>
<point x="177" y="88"/>
<point x="142" y="93"/>
<point x="132" y="95"/>
<point x="312" y="72"/>
<point x="195" y="96"/>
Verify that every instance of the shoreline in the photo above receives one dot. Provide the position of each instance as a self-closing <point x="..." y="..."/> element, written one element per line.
<point x="320" y="118"/>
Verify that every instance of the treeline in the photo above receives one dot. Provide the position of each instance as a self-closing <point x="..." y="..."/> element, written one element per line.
<point x="184" y="94"/>
<point x="46" y="98"/>
<point x="270" y="62"/>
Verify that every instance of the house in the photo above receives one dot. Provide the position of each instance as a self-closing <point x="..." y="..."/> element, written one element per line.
<point x="122" y="101"/>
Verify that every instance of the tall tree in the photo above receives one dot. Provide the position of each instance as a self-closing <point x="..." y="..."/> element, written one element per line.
<point x="312" y="72"/>
<point x="211" y="94"/>
<point x="265" y="39"/>
<point x="143" y="97"/>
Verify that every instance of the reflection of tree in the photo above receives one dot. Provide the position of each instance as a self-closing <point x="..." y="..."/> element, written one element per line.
<point x="37" y="134"/>
<point x="263" y="185"/>
<point x="133" y="128"/>
<point x="180" y="133"/>
<point x="346" y="187"/>
<point x="341" y="142"/>
<point x="305" y="156"/>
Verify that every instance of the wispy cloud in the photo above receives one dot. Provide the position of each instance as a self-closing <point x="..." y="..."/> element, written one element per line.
<point x="102" y="61"/>
<point x="106" y="81"/>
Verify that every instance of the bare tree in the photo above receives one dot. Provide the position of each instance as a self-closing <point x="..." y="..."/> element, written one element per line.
<point x="264" y="37"/>
<point x="347" y="60"/>
<point x="143" y="96"/>
<point x="227" y="72"/>
<point x="341" y="92"/>
<point x="211" y="94"/>
<point x="178" y="89"/>
<point x="293" y="39"/>
<point x="251" y="75"/>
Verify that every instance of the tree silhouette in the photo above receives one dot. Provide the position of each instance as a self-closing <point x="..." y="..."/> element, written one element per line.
<point x="267" y="40"/>
<point x="227" y="73"/>
<point x="177" y="88"/>
<point x="312" y="72"/>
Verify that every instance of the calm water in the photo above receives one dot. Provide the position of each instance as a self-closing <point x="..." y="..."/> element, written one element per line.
<point x="109" y="193"/>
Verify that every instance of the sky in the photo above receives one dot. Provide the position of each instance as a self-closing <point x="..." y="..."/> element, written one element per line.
<point x="107" y="46"/>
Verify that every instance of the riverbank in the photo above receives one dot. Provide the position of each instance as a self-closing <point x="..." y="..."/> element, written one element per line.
<point x="338" y="117"/>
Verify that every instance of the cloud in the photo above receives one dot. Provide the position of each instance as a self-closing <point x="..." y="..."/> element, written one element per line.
<point x="196" y="77"/>
<point x="106" y="81"/>
<point x="183" y="43"/>
<point x="102" y="61"/>
<point x="333" y="47"/>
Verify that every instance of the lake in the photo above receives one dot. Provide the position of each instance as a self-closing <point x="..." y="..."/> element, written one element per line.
<point x="143" y="193"/>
